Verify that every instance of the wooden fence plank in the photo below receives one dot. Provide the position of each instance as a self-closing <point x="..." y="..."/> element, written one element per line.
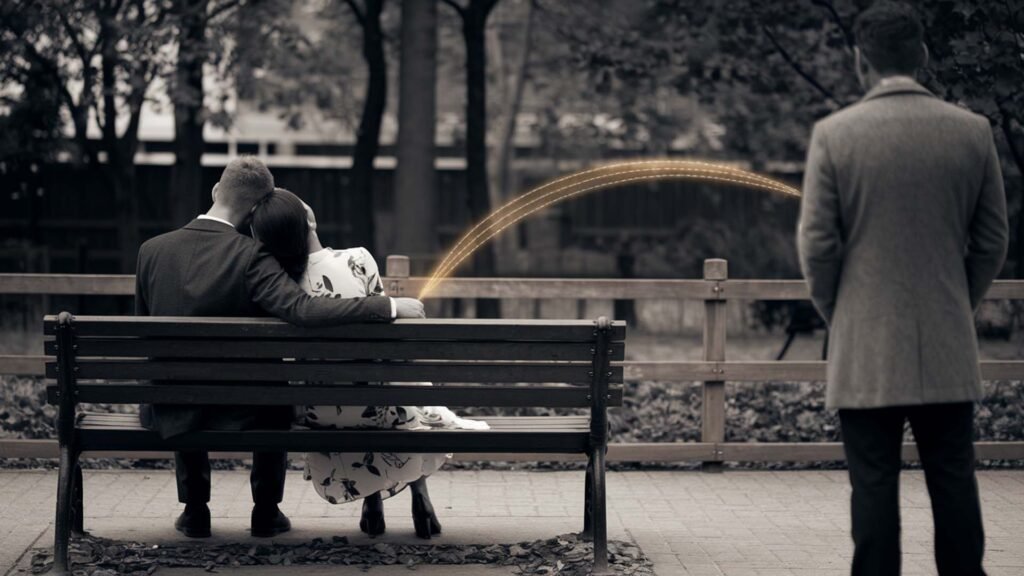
<point x="773" y="371"/>
<point x="577" y="288"/>
<point x="23" y="365"/>
<point x="716" y="273"/>
<point x="73" y="284"/>
<point x="124" y="285"/>
<point x="663" y="371"/>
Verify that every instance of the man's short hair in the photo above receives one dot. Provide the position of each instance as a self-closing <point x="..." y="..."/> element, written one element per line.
<point x="890" y="36"/>
<point x="245" y="181"/>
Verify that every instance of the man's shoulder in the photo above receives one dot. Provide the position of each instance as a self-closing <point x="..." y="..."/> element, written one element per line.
<point x="162" y="241"/>
<point x="855" y="114"/>
<point x="959" y="114"/>
<point x="848" y="115"/>
<point x="182" y="237"/>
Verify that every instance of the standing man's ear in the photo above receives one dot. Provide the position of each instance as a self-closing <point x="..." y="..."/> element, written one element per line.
<point x="213" y="192"/>
<point x="861" y="67"/>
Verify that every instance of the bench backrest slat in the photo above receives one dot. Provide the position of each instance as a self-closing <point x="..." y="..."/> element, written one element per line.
<point x="270" y="371"/>
<point x="347" y="350"/>
<point x="339" y="395"/>
<point x="417" y="330"/>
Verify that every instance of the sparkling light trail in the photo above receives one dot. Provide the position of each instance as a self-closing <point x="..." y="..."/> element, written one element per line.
<point x="592" y="180"/>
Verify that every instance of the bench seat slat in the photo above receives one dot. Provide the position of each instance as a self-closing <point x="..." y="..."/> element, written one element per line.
<point x="297" y="395"/>
<point x="427" y="329"/>
<point x="131" y="420"/>
<point x="482" y="372"/>
<point x="398" y="350"/>
<point x="565" y="434"/>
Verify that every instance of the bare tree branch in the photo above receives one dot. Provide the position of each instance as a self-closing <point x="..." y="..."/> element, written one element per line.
<point x="455" y="6"/>
<point x="54" y="72"/>
<point x="488" y="5"/>
<point x="797" y="68"/>
<point x="831" y="9"/>
<point x="83" y="54"/>
<point x="223" y="8"/>
<point x="360" y="16"/>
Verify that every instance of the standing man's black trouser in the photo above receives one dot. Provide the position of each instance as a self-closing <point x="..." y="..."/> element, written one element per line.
<point x="944" y="434"/>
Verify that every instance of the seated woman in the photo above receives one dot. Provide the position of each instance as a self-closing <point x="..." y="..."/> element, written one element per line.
<point x="287" y="227"/>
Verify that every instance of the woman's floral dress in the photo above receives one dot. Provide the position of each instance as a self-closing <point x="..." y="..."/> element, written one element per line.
<point x="346" y="476"/>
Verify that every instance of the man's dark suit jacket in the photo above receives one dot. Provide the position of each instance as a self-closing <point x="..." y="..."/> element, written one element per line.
<point x="208" y="269"/>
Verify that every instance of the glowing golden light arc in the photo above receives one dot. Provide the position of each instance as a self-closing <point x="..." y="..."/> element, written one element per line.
<point x="592" y="180"/>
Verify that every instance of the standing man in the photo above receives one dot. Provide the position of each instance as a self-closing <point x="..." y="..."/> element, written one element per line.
<point x="902" y="230"/>
<point x="208" y="269"/>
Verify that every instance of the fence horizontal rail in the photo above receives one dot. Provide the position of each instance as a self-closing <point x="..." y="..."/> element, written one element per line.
<point x="528" y="288"/>
<point x="714" y="290"/>
<point x="617" y="452"/>
<point x="68" y="284"/>
<point x="665" y="371"/>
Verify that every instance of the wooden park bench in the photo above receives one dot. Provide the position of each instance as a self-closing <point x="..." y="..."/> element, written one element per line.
<point x="510" y="363"/>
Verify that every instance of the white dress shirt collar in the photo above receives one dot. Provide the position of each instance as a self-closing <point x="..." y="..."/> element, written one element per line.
<point x="897" y="79"/>
<point x="214" y="218"/>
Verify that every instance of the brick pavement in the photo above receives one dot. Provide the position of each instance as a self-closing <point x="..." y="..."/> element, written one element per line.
<point x="735" y="524"/>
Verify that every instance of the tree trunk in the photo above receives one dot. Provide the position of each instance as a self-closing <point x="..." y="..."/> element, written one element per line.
<point x="187" y="176"/>
<point x="504" y="151"/>
<point x="368" y="136"/>
<point x="122" y="178"/>
<point x="415" y="198"/>
<point x="120" y="151"/>
<point x="474" y="22"/>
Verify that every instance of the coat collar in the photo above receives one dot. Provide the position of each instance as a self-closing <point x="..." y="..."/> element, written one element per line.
<point x="206" y="225"/>
<point x="897" y="86"/>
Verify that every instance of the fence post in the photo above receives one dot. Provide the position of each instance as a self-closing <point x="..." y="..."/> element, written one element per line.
<point x="716" y="271"/>
<point x="397" y="272"/>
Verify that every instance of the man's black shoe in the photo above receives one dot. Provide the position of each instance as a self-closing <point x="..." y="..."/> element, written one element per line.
<point x="268" y="521"/>
<point x="194" y="522"/>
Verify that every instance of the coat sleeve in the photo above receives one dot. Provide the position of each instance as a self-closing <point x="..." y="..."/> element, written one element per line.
<point x="988" y="233"/>
<point x="273" y="290"/>
<point x="141" y="306"/>
<point x="819" y="234"/>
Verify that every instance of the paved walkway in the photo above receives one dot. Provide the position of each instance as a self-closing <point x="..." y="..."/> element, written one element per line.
<point x="689" y="523"/>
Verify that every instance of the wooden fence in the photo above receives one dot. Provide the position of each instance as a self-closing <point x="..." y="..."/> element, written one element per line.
<point x="713" y="371"/>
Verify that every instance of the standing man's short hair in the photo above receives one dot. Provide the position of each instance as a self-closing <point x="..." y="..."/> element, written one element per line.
<point x="891" y="36"/>
<point x="245" y="181"/>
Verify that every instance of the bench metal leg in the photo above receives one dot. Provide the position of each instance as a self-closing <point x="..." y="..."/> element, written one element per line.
<point x="599" y="518"/>
<point x="63" y="524"/>
<point x="588" y="503"/>
<point x="77" y="510"/>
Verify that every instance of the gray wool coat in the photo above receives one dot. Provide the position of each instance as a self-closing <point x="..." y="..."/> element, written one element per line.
<point x="902" y="230"/>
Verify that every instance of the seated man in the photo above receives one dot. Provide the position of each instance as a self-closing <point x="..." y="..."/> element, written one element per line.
<point x="208" y="269"/>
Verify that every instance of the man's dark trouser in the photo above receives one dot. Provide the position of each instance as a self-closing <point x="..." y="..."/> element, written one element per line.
<point x="872" y="439"/>
<point x="192" y="468"/>
<point x="266" y="479"/>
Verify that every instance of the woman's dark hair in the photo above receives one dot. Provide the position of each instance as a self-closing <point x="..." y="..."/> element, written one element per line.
<point x="889" y="34"/>
<point x="279" y="222"/>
